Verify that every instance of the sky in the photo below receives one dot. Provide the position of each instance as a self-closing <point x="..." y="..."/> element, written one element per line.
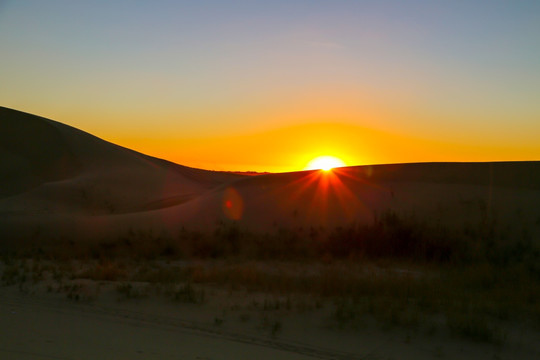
<point x="269" y="85"/>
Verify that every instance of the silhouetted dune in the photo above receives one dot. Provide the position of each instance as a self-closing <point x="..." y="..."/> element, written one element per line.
<point x="33" y="152"/>
<point x="446" y="193"/>
<point x="516" y="174"/>
<point x="74" y="171"/>
<point x="60" y="182"/>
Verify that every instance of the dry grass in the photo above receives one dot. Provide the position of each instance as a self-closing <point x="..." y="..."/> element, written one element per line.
<point x="400" y="273"/>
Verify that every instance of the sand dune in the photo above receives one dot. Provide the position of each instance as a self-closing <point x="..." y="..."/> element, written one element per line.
<point x="51" y="168"/>
<point x="59" y="181"/>
<point x="87" y="198"/>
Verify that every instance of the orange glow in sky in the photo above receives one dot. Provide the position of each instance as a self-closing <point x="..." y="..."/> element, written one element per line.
<point x="270" y="85"/>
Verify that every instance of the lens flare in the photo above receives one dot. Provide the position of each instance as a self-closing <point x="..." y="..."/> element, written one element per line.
<point x="232" y="205"/>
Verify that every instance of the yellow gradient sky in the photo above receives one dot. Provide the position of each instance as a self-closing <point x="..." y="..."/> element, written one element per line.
<point x="269" y="85"/>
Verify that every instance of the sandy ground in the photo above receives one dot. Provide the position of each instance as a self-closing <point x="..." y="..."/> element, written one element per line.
<point x="59" y="330"/>
<point x="36" y="324"/>
<point x="36" y="329"/>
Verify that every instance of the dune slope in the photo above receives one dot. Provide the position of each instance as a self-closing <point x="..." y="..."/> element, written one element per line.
<point x="60" y="182"/>
<point x="49" y="167"/>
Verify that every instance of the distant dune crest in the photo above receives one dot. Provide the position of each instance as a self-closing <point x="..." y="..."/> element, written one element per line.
<point x="59" y="181"/>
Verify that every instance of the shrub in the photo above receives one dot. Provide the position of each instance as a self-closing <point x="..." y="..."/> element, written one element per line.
<point x="186" y="293"/>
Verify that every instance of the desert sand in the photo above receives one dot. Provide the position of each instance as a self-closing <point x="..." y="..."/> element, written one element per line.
<point x="38" y="322"/>
<point x="59" y="181"/>
<point x="60" y="185"/>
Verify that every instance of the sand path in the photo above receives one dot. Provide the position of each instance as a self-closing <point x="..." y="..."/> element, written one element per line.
<point x="40" y="328"/>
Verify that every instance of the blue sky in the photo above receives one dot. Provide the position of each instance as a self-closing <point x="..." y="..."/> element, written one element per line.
<point x="457" y="72"/>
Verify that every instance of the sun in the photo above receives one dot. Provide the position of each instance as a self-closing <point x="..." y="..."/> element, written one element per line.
<point x="325" y="163"/>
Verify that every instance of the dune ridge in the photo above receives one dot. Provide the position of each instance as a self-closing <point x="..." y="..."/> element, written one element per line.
<point x="44" y="159"/>
<point x="59" y="181"/>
